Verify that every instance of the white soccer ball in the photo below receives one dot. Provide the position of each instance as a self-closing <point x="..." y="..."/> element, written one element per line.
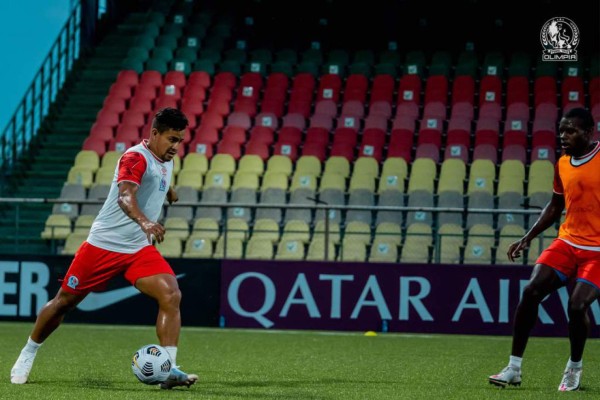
<point x="151" y="364"/>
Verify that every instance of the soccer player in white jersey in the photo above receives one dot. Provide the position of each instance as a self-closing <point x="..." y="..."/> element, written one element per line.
<point x="120" y="242"/>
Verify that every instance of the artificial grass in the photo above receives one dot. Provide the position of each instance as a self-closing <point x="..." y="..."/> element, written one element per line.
<point x="93" y="362"/>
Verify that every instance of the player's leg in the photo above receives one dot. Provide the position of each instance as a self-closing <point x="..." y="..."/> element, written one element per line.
<point x="90" y="269"/>
<point x="544" y="280"/>
<point x="49" y="318"/>
<point x="165" y="290"/>
<point x="152" y="275"/>
<point x="584" y="294"/>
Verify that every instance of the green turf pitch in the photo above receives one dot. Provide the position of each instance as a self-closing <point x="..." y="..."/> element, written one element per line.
<point x="94" y="362"/>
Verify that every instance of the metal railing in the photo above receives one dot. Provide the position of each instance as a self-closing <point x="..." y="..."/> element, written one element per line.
<point x="328" y="234"/>
<point x="42" y="91"/>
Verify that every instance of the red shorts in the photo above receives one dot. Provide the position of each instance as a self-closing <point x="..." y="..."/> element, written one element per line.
<point x="93" y="267"/>
<point x="583" y="265"/>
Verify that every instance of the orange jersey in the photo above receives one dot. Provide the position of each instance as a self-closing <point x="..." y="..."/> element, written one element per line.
<point x="578" y="180"/>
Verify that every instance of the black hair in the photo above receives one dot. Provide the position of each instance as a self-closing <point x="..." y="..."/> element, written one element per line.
<point x="169" y="118"/>
<point x="584" y="116"/>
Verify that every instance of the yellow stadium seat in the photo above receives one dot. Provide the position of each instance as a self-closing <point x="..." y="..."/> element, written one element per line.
<point x="258" y="249"/>
<point x="331" y="180"/>
<point x="334" y="231"/>
<point x="353" y="250"/>
<point x="357" y="231"/>
<point x="450" y="241"/>
<point x="316" y="250"/>
<point x="541" y="177"/>
<point x="251" y="163"/>
<point x="81" y="175"/>
<point x="511" y="177"/>
<point x="366" y="165"/>
<point x="207" y="227"/>
<point x="198" y="246"/>
<point x="308" y="165"/>
<point x="233" y="249"/>
<point x="290" y="250"/>
<point x="389" y="232"/>
<point x="279" y="163"/>
<point x="57" y="226"/>
<point x="170" y="246"/>
<point x="237" y="229"/>
<point x="73" y="241"/>
<point x="245" y="179"/>
<point x="417" y="244"/>
<point x="177" y="227"/>
<point x="296" y="230"/>
<point x="508" y="235"/>
<point x="482" y="176"/>
<point x="337" y="165"/>
<point x="452" y="176"/>
<point x="266" y="229"/>
<point x="362" y="181"/>
<point x="83" y="223"/>
<point x="87" y="159"/>
<point x="383" y="250"/>
<point x="110" y="159"/>
<point x="222" y="163"/>
<point x="302" y="180"/>
<point x="393" y="175"/>
<point x="176" y="164"/>
<point x="274" y="180"/>
<point x="195" y="162"/>
<point x="480" y="242"/>
<point x="189" y="178"/>
<point x="215" y="179"/>
<point x="422" y="175"/>
<point x="104" y="176"/>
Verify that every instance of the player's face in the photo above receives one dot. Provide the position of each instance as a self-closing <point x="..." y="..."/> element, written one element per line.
<point x="167" y="143"/>
<point x="574" y="140"/>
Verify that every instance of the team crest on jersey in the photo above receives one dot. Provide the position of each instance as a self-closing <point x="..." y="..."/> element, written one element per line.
<point x="72" y="282"/>
<point x="163" y="180"/>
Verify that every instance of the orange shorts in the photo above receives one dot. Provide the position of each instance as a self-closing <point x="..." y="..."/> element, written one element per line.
<point x="93" y="267"/>
<point x="572" y="262"/>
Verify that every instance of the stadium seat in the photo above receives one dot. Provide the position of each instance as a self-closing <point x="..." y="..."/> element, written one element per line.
<point x="57" y="226"/>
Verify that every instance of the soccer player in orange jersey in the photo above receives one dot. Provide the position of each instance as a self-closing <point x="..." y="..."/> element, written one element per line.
<point x="574" y="255"/>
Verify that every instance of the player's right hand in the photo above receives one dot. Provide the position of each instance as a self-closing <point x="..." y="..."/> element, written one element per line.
<point x="514" y="250"/>
<point x="154" y="231"/>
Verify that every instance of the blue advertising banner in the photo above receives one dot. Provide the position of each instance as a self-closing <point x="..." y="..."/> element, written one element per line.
<point x="417" y="298"/>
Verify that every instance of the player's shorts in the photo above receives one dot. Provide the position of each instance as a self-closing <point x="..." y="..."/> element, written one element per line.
<point x="572" y="262"/>
<point x="93" y="267"/>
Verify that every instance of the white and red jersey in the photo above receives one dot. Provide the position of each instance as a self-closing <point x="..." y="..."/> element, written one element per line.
<point x="112" y="229"/>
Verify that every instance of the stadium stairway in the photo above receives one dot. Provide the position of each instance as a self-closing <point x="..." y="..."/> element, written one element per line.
<point x="42" y="171"/>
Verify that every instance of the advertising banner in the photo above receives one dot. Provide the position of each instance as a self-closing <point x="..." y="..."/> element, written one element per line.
<point x="417" y="298"/>
<point x="27" y="283"/>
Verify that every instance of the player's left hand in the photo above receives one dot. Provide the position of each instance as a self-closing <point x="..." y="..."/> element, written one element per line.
<point x="172" y="196"/>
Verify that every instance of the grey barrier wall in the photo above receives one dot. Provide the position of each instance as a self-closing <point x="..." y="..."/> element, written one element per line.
<point x="416" y="298"/>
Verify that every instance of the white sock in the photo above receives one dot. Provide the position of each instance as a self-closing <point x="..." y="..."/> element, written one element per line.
<point x="32" y="346"/>
<point x="515" y="362"/>
<point x="172" y="350"/>
<point x="573" y="364"/>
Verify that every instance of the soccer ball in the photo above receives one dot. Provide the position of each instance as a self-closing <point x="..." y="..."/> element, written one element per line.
<point x="151" y="364"/>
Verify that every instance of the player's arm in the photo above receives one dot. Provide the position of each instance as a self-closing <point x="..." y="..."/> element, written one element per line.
<point x="128" y="202"/>
<point x="132" y="167"/>
<point x="549" y="215"/>
<point x="172" y="196"/>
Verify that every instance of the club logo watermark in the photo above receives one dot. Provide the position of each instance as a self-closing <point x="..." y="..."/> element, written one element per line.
<point x="559" y="37"/>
